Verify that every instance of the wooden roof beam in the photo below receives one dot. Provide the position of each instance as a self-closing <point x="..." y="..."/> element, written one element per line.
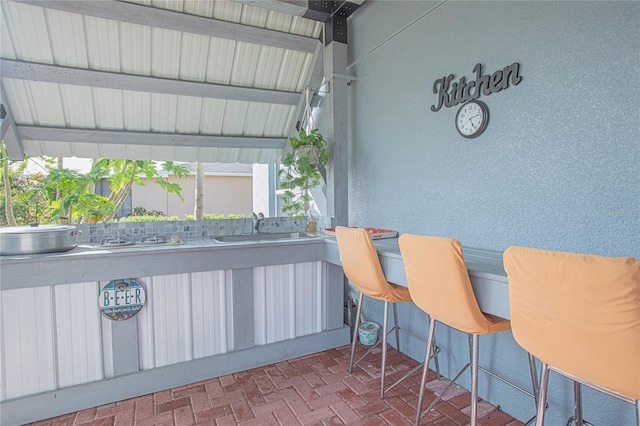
<point x="182" y="22"/>
<point x="119" y="137"/>
<point x="140" y="83"/>
<point x="9" y="133"/>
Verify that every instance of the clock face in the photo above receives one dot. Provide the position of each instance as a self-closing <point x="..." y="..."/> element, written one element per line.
<point x="472" y="118"/>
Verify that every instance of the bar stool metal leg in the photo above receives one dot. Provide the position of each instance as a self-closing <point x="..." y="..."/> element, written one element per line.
<point x="436" y="349"/>
<point x="542" y="397"/>
<point x="355" y="332"/>
<point x="425" y="369"/>
<point x="397" y="326"/>
<point x="384" y="348"/>
<point x="534" y="378"/>
<point x="384" y="341"/>
<point x="474" y="378"/>
<point x="577" y="402"/>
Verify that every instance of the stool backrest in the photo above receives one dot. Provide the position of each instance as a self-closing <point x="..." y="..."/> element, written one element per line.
<point x="439" y="282"/>
<point x="360" y="262"/>
<point x="579" y="313"/>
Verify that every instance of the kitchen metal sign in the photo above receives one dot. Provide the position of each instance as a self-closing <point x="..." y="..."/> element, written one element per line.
<point x="461" y="91"/>
<point x="121" y="299"/>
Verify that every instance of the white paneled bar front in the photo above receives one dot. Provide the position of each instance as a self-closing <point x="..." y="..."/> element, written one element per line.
<point x="59" y="354"/>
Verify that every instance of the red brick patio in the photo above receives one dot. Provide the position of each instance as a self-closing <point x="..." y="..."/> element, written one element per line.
<point x="312" y="390"/>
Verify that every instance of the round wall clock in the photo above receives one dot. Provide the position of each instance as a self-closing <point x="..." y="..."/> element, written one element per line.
<point x="472" y="119"/>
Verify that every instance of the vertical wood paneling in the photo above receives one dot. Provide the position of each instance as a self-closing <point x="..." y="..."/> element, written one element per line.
<point x="165" y="324"/>
<point x="107" y="344"/>
<point x="78" y="333"/>
<point x="287" y="301"/>
<point x="271" y="299"/>
<point x="259" y="306"/>
<point x="209" y="313"/>
<point x="28" y="354"/>
<point x="146" y="336"/>
<point x="308" y="298"/>
<point x="54" y="337"/>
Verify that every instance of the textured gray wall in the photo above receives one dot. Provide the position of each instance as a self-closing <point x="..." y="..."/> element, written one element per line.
<point x="557" y="167"/>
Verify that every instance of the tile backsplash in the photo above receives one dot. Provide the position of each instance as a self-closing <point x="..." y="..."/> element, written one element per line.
<point x="189" y="229"/>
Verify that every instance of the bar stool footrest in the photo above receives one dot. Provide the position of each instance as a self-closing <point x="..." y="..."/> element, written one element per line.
<point x="572" y="419"/>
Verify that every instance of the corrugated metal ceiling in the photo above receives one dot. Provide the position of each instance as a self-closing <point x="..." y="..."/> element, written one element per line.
<point x="182" y="80"/>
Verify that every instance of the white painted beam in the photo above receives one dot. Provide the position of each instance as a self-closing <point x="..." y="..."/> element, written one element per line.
<point x="9" y="133"/>
<point x="139" y="83"/>
<point x="314" y="80"/>
<point x="170" y="20"/>
<point x="290" y="7"/>
<point x="118" y="137"/>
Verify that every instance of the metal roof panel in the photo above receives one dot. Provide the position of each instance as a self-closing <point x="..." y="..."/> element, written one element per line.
<point x="108" y="108"/>
<point x="165" y="53"/>
<point x="28" y="27"/>
<point x="189" y="115"/>
<point x="194" y="54"/>
<point x="67" y="48"/>
<point x="220" y="60"/>
<point x="101" y="41"/>
<point x="135" y="49"/>
<point x="77" y="106"/>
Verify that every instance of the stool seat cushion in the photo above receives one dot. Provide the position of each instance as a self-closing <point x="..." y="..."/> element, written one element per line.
<point x="579" y="313"/>
<point x="440" y="285"/>
<point x="361" y="265"/>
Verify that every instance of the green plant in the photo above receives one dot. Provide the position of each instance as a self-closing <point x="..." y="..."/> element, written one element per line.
<point x="213" y="216"/>
<point x="301" y="171"/>
<point x="148" y="218"/>
<point x="141" y="211"/>
<point x="71" y="196"/>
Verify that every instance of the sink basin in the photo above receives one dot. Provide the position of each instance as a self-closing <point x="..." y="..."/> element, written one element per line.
<point x="279" y="236"/>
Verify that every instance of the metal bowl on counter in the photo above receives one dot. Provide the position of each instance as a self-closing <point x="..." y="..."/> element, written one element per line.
<point x="36" y="239"/>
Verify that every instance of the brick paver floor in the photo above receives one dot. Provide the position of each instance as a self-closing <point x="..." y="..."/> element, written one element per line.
<point x="312" y="390"/>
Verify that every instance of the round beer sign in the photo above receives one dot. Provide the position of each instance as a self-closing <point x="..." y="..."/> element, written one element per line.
<point x="121" y="299"/>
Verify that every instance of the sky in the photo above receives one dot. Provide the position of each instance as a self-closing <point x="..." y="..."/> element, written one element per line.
<point x="80" y="164"/>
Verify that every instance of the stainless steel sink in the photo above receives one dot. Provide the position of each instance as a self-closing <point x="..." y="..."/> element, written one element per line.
<point x="266" y="236"/>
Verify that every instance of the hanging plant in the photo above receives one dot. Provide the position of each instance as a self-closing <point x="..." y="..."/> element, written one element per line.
<point x="301" y="171"/>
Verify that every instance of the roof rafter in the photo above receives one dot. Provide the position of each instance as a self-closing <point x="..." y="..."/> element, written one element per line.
<point x="139" y="83"/>
<point x="9" y="133"/>
<point x="317" y="10"/>
<point x="119" y="137"/>
<point x="314" y="80"/>
<point x="160" y="18"/>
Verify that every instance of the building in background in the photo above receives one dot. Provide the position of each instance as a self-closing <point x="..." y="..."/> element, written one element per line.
<point x="228" y="189"/>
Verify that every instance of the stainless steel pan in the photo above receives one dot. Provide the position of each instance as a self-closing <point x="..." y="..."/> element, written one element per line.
<point x="33" y="239"/>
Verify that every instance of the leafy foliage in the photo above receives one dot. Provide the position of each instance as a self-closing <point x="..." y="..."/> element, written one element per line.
<point x="301" y="171"/>
<point x="30" y="203"/>
<point x="69" y="195"/>
<point x="148" y="218"/>
<point x="141" y="211"/>
<point x="213" y="216"/>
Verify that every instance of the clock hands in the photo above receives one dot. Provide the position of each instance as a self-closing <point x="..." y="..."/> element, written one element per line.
<point x="471" y="118"/>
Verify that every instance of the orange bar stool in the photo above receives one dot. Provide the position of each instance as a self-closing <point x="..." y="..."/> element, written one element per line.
<point x="579" y="314"/>
<point x="439" y="284"/>
<point x="362" y="267"/>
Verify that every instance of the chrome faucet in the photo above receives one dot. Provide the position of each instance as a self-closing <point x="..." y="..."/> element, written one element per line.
<point x="257" y="218"/>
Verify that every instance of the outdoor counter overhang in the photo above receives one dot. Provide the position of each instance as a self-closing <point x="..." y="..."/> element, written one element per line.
<point x="485" y="266"/>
